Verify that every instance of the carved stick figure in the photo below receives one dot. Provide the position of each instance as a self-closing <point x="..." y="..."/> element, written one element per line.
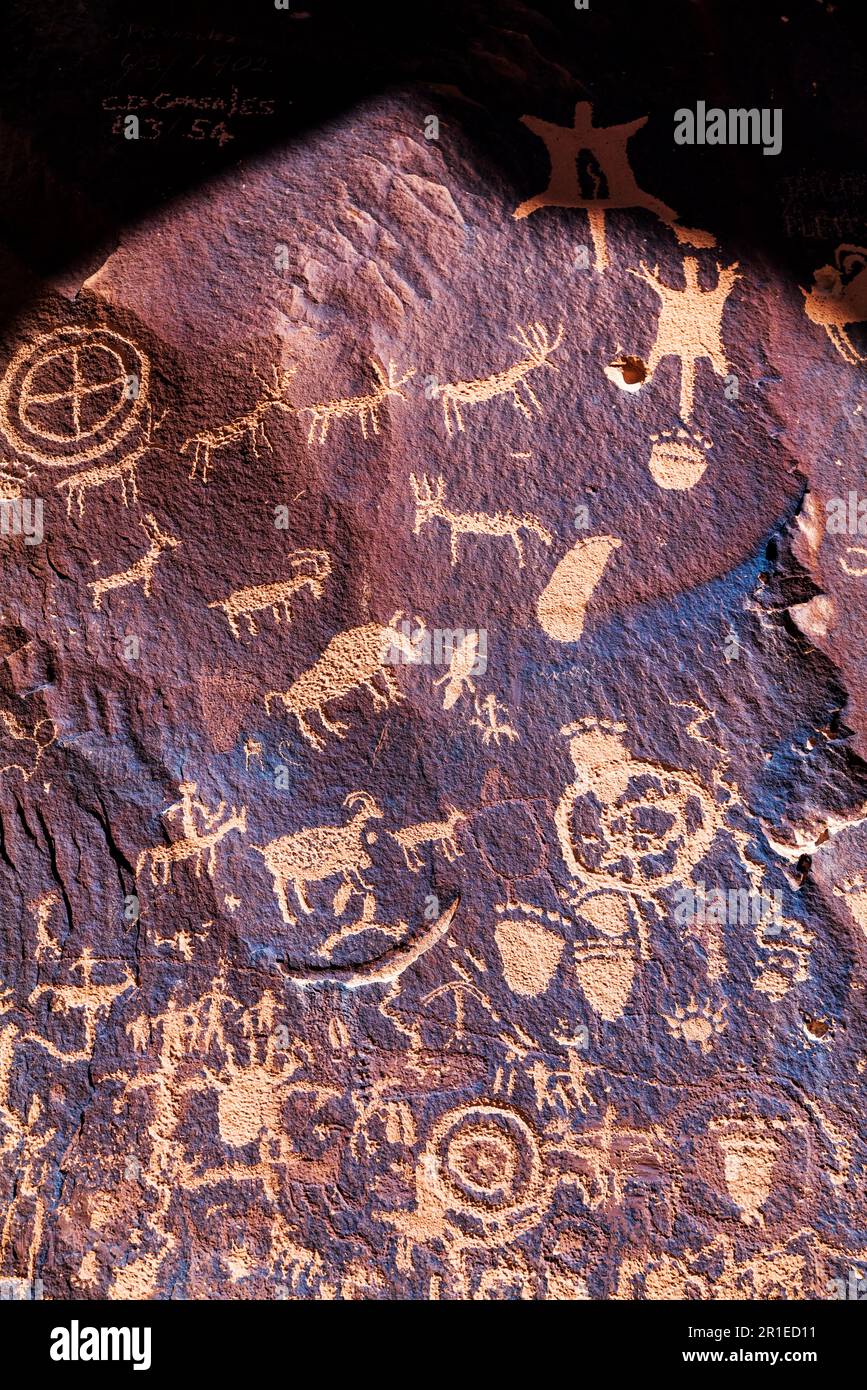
<point x="690" y="324"/>
<point x="615" y="184"/>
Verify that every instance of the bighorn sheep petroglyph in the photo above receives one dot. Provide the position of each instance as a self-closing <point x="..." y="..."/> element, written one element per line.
<point x="320" y="852"/>
<point x="243" y="603"/>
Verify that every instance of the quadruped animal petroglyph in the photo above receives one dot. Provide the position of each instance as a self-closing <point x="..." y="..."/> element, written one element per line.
<point x="353" y="660"/>
<point x="250" y="425"/>
<point x="121" y="470"/>
<point x="142" y="572"/>
<point x="203" y="830"/>
<point x="838" y="298"/>
<point x="442" y="833"/>
<point x="321" y="852"/>
<point x="365" y="409"/>
<point x="511" y="381"/>
<point x="243" y="603"/>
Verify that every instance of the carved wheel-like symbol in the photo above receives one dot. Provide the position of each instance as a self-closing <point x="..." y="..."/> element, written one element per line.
<point x="489" y="1167"/>
<point x="66" y="399"/>
<point x="651" y="835"/>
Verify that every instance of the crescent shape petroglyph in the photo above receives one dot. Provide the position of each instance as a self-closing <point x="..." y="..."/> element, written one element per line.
<point x="383" y="970"/>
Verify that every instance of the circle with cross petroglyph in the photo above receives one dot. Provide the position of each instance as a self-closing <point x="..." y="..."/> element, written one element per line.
<point x="72" y="395"/>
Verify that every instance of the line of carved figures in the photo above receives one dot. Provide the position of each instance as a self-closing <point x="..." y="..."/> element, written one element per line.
<point x="512" y="382"/>
<point x="677" y="460"/>
<point x="365" y="657"/>
<point x="616" y="885"/>
<point x="484" y="1172"/>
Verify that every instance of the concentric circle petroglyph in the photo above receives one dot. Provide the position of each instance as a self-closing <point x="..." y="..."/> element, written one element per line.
<point x="488" y="1162"/>
<point x="66" y="398"/>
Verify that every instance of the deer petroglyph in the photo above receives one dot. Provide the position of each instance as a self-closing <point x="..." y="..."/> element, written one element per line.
<point x="430" y="503"/>
<point x="142" y="571"/>
<point x="122" y="470"/>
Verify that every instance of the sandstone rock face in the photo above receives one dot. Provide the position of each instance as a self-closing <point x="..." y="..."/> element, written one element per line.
<point x="433" y="808"/>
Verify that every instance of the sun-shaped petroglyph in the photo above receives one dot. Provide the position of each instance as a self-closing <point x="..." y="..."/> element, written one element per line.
<point x="72" y="395"/>
<point x="648" y="830"/>
<point x="480" y="1179"/>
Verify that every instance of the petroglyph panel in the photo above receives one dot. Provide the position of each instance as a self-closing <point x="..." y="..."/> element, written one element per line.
<point x="433" y="812"/>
